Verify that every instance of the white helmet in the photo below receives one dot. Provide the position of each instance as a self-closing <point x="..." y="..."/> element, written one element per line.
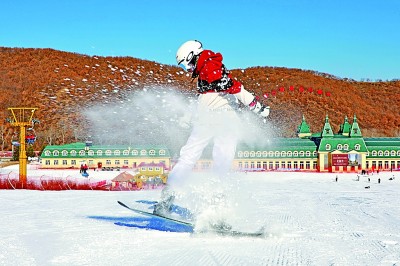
<point x="187" y="54"/>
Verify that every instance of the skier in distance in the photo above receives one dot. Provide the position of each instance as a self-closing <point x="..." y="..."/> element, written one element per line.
<point x="216" y="118"/>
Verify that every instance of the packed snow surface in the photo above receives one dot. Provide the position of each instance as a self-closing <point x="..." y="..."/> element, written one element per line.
<point x="310" y="219"/>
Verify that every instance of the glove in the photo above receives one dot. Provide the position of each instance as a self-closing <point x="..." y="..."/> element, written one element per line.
<point x="258" y="108"/>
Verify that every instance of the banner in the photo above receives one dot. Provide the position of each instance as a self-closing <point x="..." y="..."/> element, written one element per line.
<point x="340" y="160"/>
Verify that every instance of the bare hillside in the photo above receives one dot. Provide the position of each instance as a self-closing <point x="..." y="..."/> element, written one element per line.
<point x="61" y="83"/>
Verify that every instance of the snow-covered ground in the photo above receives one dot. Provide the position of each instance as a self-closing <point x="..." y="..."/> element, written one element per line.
<point x="309" y="218"/>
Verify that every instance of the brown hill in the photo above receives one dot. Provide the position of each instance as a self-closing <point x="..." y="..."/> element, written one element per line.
<point x="60" y="83"/>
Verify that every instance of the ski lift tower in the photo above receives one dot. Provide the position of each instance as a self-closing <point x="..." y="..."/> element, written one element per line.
<point x="22" y="118"/>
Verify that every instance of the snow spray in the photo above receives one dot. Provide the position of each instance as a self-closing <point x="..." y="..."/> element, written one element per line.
<point x="145" y="117"/>
<point x="161" y="115"/>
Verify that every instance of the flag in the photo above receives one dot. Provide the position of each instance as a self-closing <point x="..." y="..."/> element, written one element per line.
<point x="310" y="89"/>
<point x="327" y="94"/>
<point x="301" y="89"/>
<point x="319" y="92"/>
<point x="291" y="88"/>
<point x="282" y="89"/>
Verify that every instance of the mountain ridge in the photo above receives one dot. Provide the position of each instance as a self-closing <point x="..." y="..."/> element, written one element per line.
<point x="60" y="83"/>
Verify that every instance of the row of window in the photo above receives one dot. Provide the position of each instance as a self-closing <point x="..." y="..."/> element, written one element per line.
<point x="253" y="154"/>
<point x="344" y="147"/>
<point x="383" y="164"/>
<point x="73" y="162"/>
<point x="385" y="153"/>
<point x="357" y="148"/>
<point x="277" y="165"/>
<point x="107" y="153"/>
<point x="157" y="169"/>
<point x="266" y="165"/>
<point x="91" y="162"/>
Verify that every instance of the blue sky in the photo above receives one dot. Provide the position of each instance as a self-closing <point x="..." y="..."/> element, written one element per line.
<point x="357" y="39"/>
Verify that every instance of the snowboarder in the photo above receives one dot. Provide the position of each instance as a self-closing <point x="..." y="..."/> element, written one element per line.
<point x="216" y="117"/>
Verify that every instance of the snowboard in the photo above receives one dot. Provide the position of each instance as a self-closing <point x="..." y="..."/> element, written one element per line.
<point x="177" y="225"/>
<point x="183" y="213"/>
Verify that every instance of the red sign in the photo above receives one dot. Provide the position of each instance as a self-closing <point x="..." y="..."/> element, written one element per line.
<point x="340" y="160"/>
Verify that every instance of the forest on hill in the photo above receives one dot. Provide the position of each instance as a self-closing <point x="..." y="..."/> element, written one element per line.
<point x="60" y="84"/>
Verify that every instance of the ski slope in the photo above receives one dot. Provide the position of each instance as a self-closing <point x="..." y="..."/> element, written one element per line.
<point x="309" y="218"/>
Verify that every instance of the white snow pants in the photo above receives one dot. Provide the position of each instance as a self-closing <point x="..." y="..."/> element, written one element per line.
<point x="217" y="121"/>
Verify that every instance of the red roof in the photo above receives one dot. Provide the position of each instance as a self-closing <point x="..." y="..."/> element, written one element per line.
<point x="123" y="177"/>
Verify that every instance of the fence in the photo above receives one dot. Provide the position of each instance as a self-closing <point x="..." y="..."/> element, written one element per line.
<point x="11" y="181"/>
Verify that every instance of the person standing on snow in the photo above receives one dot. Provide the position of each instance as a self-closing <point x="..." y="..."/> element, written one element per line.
<point x="216" y="119"/>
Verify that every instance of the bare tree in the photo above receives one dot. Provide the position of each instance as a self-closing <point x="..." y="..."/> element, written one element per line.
<point x="49" y="135"/>
<point x="6" y="134"/>
<point x="79" y="133"/>
<point x="63" y="129"/>
<point x="3" y="136"/>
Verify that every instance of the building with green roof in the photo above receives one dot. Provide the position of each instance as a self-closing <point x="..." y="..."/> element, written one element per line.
<point x="324" y="151"/>
<point x="383" y="153"/>
<point x="98" y="156"/>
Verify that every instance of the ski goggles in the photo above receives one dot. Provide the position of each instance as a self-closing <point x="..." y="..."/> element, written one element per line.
<point x="189" y="67"/>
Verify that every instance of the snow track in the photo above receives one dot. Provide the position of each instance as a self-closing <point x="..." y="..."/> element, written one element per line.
<point x="309" y="220"/>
